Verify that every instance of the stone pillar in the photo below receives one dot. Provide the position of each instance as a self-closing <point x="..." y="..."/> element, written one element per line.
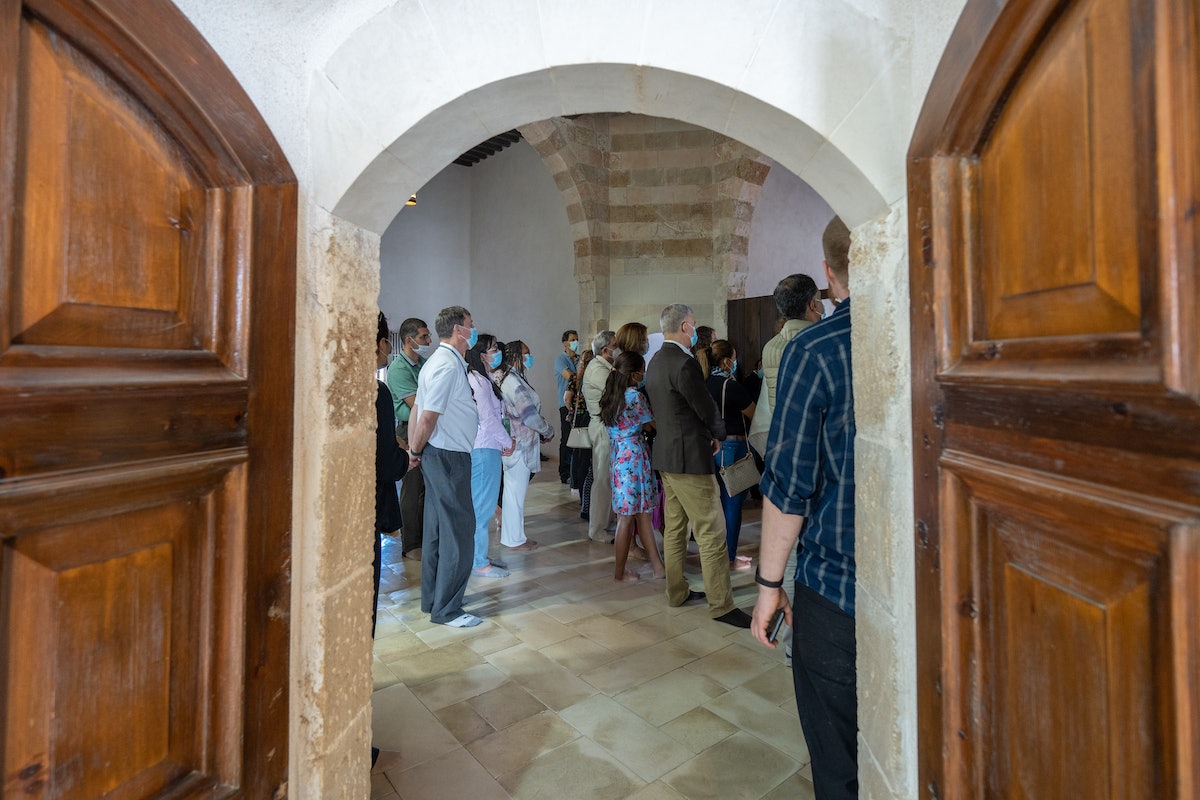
<point x="886" y="613"/>
<point x="333" y="512"/>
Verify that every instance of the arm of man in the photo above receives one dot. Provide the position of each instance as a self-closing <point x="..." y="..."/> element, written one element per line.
<point x="779" y="533"/>
<point x="418" y="435"/>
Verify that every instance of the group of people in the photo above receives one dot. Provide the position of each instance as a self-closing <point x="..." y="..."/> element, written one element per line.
<point x="468" y="416"/>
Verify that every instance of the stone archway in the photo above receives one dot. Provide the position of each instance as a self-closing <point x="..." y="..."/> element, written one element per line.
<point x="377" y="132"/>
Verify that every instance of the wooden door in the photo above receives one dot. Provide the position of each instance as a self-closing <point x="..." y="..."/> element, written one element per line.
<point x="752" y="322"/>
<point x="147" y="224"/>
<point x="1054" y="186"/>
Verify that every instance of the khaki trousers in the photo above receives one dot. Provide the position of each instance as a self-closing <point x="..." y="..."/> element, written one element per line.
<point x="695" y="498"/>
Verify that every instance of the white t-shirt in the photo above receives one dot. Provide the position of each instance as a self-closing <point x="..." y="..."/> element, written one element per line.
<point x="442" y="387"/>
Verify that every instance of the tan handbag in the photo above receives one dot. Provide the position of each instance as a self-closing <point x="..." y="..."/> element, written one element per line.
<point x="741" y="474"/>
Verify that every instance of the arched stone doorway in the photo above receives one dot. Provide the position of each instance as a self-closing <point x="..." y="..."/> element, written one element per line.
<point x="764" y="76"/>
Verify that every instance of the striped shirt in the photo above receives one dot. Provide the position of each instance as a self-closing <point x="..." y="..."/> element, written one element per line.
<point x="810" y="455"/>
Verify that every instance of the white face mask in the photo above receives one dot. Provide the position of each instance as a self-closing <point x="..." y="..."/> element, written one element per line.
<point x="616" y="351"/>
<point x="426" y="350"/>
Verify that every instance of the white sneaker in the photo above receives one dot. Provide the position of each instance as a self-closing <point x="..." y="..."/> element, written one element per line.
<point x="464" y="621"/>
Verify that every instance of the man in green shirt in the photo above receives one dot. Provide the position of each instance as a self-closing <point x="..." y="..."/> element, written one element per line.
<point x="402" y="373"/>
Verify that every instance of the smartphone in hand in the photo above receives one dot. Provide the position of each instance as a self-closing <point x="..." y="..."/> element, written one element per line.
<point x="775" y="625"/>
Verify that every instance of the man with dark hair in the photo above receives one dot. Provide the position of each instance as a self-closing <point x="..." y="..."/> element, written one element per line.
<point x="690" y="429"/>
<point x="390" y="465"/>
<point x="808" y="491"/>
<point x="415" y="347"/>
<point x="797" y="300"/>
<point x="564" y="368"/>
<point x="441" y="438"/>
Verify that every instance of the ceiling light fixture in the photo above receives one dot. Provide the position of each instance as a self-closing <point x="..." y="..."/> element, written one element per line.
<point x="412" y="201"/>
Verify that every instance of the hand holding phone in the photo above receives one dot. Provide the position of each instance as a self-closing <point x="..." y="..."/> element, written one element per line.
<point x="775" y="625"/>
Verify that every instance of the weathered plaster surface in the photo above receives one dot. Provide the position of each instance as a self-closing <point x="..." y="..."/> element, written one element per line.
<point x="883" y="504"/>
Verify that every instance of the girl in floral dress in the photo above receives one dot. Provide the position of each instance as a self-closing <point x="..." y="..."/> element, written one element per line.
<point x="625" y="412"/>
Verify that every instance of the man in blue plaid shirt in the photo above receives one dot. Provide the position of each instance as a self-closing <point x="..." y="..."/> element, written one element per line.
<point x="808" y="491"/>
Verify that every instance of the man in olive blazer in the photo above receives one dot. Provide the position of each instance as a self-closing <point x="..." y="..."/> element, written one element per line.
<point x="690" y="429"/>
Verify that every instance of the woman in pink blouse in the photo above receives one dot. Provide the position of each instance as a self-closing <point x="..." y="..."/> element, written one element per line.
<point x="492" y="442"/>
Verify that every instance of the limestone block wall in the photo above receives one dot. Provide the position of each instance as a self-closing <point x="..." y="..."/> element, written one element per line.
<point x="886" y="612"/>
<point x="333" y="507"/>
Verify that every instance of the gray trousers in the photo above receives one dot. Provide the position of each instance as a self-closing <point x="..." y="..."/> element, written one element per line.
<point x="448" y="550"/>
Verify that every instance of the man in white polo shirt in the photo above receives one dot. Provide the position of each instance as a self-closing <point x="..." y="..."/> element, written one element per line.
<point x="441" y="439"/>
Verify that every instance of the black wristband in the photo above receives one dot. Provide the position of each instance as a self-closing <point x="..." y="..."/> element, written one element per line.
<point x="761" y="581"/>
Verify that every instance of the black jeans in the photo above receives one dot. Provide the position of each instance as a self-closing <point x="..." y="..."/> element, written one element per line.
<point x="823" y="672"/>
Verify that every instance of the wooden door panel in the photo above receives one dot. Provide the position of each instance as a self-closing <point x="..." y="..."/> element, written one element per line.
<point x="147" y="255"/>
<point x="133" y="672"/>
<point x="1056" y="404"/>
<point x="1066" y="612"/>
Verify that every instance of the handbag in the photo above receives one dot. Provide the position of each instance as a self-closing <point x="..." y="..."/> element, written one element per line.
<point x="579" y="438"/>
<point x="741" y="474"/>
<point x="760" y="426"/>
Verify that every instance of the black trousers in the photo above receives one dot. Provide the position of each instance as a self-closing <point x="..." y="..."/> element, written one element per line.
<point x="564" y="452"/>
<point x="412" y="510"/>
<point x="823" y="671"/>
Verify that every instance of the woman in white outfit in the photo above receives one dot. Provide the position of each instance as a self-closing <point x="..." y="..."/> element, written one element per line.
<point x="523" y="409"/>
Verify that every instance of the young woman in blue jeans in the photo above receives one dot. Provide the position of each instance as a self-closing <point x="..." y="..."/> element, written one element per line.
<point x="737" y="408"/>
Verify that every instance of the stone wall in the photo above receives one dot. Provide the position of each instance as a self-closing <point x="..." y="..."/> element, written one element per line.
<point x="885" y="604"/>
<point x="333" y="510"/>
<point x="660" y="212"/>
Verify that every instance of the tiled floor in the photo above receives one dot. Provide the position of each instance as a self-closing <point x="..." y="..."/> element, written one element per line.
<point x="576" y="686"/>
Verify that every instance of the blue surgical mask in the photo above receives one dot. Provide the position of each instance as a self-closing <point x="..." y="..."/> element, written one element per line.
<point x="733" y="371"/>
<point x="759" y="373"/>
<point x="496" y="360"/>
<point x="695" y="336"/>
<point x="473" y="338"/>
<point x="529" y="361"/>
<point x="642" y="383"/>
<point x="574" y="346"/>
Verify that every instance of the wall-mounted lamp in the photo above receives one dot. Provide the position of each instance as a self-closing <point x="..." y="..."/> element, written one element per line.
<point x="412" y="201"/>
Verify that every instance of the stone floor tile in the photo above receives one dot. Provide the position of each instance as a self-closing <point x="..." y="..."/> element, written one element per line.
<point x="456" y="774"/>
<point x="399" y="721"/>
<point x="662" y="699"/>
<point x="517" y="745"/>
<point x="739" y="766"/>
<point x="637" y="744"/>
<point x="580" y="769"/>
<point x="506" y="704"/>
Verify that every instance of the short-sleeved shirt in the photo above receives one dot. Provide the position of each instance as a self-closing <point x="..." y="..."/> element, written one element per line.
<point x="563" y="361"/>
<point x="810" y="455"/>
<point x="402" y="382"/>
<point x="443" y="388"/>
<point x="737" y="400"/>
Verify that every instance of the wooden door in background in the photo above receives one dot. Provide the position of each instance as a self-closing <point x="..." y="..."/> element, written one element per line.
<point x="752" y="322"/>
<point x="147" y="288"/>
<point x="1054" y="179"/>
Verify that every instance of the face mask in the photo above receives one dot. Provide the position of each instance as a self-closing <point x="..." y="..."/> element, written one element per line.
<point x="616" y="351"/>
<point x="574" y="346"/>
<point x="473" y="338"/>
<point x="528" y="360"/>
<point x="496" y="359"/>
<point x="759" y="373"/>
<point x="694" y="336"/>
<point x="733" y="369"/>
<point x="642" y="383"/>
<point x="426" y="350"/>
